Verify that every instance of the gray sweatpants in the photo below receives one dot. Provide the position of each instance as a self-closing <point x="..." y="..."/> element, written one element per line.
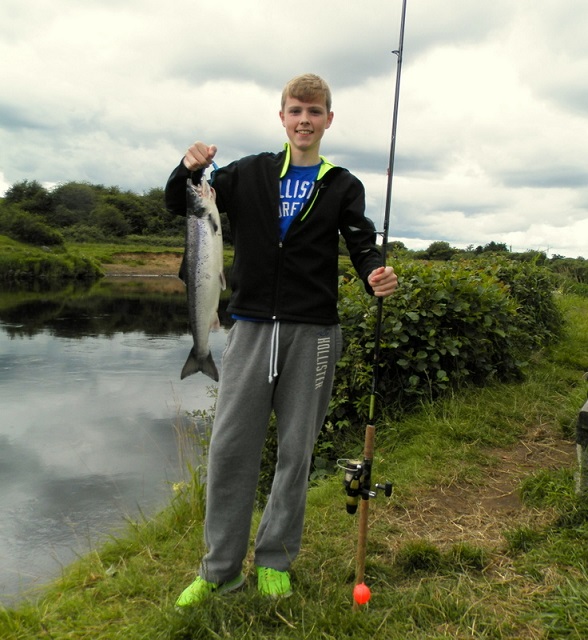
<point x="287" y="367"/>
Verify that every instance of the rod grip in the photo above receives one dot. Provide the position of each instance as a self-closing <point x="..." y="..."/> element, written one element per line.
<point x="368" y="446"/>
<point x="368" y="452"/>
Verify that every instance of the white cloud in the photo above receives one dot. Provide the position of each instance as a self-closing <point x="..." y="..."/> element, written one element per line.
<point x="4" y="184"/>
<point x="492" y="126"/>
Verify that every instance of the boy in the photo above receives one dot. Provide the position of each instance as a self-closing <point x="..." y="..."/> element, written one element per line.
<point x="286" y="211"/>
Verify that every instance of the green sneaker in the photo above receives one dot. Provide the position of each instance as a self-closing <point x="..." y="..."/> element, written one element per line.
<point x="201" y="589"/>
<point x="273" y="583"/>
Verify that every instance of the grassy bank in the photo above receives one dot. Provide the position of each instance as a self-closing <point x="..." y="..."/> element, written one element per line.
<point x="483" y="538"/>
<point x="22" y="263"/>
<point x="137" y="258"/>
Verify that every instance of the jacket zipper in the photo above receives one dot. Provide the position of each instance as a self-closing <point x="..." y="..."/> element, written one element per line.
<point x="301" y="216"/>
<point x="278" y="278"/>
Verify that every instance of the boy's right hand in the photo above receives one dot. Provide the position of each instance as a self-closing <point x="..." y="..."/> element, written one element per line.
<point x="199" y="156"/>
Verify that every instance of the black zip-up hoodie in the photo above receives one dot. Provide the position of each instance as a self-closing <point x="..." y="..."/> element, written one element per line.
<point x="294" y="279"/>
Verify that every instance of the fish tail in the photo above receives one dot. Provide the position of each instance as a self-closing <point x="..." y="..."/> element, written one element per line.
<point x="195" y="364"/>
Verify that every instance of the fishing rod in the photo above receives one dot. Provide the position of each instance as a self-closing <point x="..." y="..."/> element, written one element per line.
<point x="358" y="474"/>
<point x="388" y="206"/>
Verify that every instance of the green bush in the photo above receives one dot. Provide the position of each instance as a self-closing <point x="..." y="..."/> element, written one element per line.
<point x="532" y="287"/>
<point x="27" y="227"/>
<point x="110" y="220"/>
<point x="85" y="233"/>
<point x="30" y="196"/>
<point x="573" y="270"/>
<point x="448" y="324"/>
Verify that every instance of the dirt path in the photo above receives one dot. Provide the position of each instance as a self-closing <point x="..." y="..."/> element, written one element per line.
<point x="480" y="513"/>
<point x="144" y="264"/>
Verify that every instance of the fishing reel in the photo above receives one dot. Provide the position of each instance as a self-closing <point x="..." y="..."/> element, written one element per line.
<point x="357" y="483"/>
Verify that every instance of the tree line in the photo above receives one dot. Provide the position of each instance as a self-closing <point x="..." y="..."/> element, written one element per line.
<point x="83" y="212"/>
<point x="80" y="212"/>
<point x="573" y="270"/>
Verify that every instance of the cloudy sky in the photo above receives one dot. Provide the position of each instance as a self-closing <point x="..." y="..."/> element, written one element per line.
<point x="492" y="140"/>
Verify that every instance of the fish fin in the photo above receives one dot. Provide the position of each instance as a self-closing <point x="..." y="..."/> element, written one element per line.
<point x="213" y="225"/>
<point x="215" y="325"/>
<point x="194" y="365"/>
<point x="223" y="280"/>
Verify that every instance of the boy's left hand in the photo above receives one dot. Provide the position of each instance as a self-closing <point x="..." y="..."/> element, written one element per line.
<point x="383" y="281"/>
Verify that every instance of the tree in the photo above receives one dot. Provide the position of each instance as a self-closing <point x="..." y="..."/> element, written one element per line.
<point x="396" y="248"/>
<point x="493" y="247"/>
<point x="73" y="202"/>
<point x="131" y="207"/>
<point x="27" y="227"/>
<point x="110" y="220"/>
<point x="159" y="219"/>
<point x="440" y="250"/>
<point x="24" y="190"/>
<point x="31" y="197"/>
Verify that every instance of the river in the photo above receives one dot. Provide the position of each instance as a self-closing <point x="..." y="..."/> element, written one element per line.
<point x="91" y="404"/>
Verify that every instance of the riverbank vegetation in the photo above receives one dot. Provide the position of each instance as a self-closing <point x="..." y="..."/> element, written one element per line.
<point x="22" y="263"/>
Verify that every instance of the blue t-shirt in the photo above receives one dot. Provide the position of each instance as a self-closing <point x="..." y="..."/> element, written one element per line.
<point x="295" y="189"/>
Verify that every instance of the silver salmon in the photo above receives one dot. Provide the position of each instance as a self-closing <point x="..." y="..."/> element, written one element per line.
<point x="203" y="275"/>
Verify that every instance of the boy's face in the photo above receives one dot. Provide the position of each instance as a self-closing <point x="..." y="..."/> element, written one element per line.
<point x="305" y="123"/>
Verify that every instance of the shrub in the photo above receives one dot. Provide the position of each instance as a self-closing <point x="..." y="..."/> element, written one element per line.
<point x="532" y="286"/>
<point x="447" y="324"/>
<point x="30" y="196"/>
<point x="27" y="227"/>
<point x="73" y="203"/>
<point x="110" y="220"/>
<point x="85" y="233"/>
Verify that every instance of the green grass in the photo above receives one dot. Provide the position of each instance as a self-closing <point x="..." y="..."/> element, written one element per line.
<point x="529" y="582"/>
<point x="23" y="262"/>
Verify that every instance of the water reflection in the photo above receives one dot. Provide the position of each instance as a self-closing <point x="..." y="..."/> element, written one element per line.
<point x="90" y="395"/>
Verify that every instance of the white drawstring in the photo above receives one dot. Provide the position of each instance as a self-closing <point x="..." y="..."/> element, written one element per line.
<point x="273" y="366"/>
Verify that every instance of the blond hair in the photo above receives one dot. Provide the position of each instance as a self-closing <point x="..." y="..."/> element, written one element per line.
<point x="307" y="88"/>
